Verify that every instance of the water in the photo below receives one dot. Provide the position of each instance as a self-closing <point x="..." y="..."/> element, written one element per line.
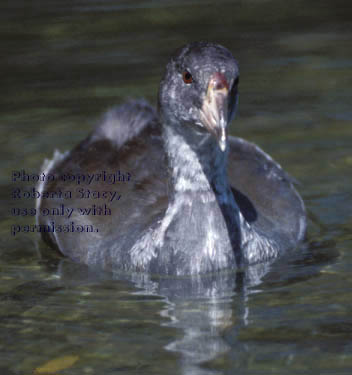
<point x="63" y="63"/>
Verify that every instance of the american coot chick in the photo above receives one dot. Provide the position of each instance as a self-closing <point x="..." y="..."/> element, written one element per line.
<point x="196" y="201"/>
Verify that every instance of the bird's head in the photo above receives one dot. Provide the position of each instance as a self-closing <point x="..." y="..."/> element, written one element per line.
<point x="199" y="93"/>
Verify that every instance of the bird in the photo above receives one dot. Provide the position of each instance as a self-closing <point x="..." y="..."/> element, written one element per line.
<point x="190" y="199"/>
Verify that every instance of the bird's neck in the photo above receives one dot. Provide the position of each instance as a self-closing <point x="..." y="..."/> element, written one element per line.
<point x="197" y="166"/>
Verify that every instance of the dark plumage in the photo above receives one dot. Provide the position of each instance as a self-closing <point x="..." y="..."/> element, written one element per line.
<point x="197" y="201"/>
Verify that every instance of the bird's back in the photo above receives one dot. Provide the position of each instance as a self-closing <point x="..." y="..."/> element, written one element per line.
<point x="265" y="193"/>
<point x="127" y="145"/>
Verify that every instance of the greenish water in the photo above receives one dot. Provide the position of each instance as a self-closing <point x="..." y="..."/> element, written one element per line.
<point x="63" y="63"/>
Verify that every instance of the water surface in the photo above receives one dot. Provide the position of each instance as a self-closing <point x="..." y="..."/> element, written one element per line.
<point x="63" y="63"/>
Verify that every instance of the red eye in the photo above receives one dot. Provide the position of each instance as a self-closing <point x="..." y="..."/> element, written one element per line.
<point x="187" y="77"/>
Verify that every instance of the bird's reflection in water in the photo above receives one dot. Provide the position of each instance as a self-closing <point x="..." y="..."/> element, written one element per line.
<point x="203" y="308"/>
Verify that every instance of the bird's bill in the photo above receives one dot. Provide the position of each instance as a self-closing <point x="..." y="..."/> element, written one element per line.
<point x="214" y="111"/>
